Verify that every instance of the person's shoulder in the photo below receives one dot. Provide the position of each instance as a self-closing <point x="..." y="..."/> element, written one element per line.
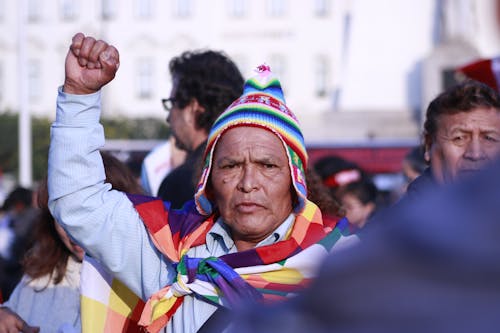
<point x="178" y="175"/>
<point x="345" y="242"/>
<point x="421" y="184"/>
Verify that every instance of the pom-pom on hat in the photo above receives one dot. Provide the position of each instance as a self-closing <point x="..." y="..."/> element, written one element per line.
<point x="261" y="105"/>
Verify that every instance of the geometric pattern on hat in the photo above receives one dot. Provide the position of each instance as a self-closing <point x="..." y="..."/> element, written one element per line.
<point x="262" y="105"/>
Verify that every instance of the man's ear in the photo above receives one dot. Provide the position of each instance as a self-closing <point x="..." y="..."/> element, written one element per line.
<point x="196" y="111"/>
<point x="196" y="107"/>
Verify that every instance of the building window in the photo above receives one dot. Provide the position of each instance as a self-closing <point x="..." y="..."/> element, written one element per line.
<point x="34" y="8"/>
<point x="276" y="8"/>
<point x="108" y="10"/>
<point x="144" y="78"/>
<point x="321" y="7"/>
<point x="68" y="9"/>
<point x="34" y="80"/>
<point x="183" y="8"/>
<point x="144" y="9"/>
<point x="237" y="8"/>
<point x="321" y="75"/>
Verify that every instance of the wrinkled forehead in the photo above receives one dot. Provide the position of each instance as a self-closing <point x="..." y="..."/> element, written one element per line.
<point x="250" y="137"/>
<point x="481" y="119"/>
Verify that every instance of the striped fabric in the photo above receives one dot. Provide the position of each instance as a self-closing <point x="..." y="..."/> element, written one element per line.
<point x="261" y="105"/>
<point x="267" y="273"/>
<point x="107" y="305"/>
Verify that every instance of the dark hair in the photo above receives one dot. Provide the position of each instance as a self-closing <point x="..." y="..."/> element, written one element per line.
<point x="415" y="159"/>
<point x="330" y="165"/>
<point x="18" y="195"/>
<point x="211" y="78"/>
<point x="463" y="97"/>
<point x="119" y="175"/>
<point x="320" y="195"/>
<point x="365" y="190"/>
<point x="48" y="254"/>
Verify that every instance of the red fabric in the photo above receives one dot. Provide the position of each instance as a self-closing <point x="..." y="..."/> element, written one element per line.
<point x="480" y="70"/>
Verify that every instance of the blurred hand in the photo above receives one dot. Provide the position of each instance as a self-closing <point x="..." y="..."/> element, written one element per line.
<point x="10" y="322"/>
<point x="90" y="64"/>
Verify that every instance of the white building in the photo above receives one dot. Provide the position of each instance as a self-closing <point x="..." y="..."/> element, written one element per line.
<point x="351" y="70"/>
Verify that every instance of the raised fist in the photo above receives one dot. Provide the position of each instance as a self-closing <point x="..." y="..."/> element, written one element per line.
<point x="90" y="64"/>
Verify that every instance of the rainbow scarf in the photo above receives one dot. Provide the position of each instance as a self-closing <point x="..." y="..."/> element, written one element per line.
<point x="267" y="273"/>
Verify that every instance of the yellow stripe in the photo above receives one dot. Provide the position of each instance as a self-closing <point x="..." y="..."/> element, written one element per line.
<point x="284" y="276"/>
<point x="122" y="299"/>
<point x="93" y="315"/>
<point x="162" y="306"/>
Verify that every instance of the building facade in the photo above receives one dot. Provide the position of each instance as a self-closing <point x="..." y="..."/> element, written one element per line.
<point x="352" y="70"/>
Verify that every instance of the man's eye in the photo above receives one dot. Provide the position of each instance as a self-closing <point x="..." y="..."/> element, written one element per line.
<point x="270" y="166"/>
<point x="459" y="139"/>
<point x="491" y="138"/>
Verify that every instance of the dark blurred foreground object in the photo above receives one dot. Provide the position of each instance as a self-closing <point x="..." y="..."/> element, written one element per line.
<point x="432" y="266"/>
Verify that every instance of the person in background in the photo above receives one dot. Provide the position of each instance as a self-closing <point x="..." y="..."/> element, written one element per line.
<point x="336" y="171"/>
<point x="48" y="296"/>
<point x="351" y="187"/>
<point x="461" y="134"/>
<point x="16" y="229"/>
<point x="204" y="83"/>
<point x="413" y="164"/>
<point x="158" y="163"/>
<point x="359" y="199"/>
<point x="250" y="219"/>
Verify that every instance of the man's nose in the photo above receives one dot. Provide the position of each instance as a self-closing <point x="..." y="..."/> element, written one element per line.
<point x="475" y="150"/>
<point x="248" y="179"/>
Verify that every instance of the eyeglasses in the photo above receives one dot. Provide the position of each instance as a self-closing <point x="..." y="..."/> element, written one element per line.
<point x="168" y="103"/>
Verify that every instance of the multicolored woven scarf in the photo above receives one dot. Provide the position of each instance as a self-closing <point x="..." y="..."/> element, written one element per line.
<point x="268" y="273"/>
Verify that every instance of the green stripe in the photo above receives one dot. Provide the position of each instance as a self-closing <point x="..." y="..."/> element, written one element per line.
<point x="269" y="110"/>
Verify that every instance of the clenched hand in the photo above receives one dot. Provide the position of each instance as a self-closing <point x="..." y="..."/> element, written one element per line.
<point x="90" y="64"/>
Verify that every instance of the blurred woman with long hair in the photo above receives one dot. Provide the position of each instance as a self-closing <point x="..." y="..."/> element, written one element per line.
<point x="48" y="295"/>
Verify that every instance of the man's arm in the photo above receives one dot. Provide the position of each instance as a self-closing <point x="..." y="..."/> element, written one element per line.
<point x="102" y="220"/>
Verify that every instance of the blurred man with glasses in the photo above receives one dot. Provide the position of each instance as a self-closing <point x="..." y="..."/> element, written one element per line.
<point x="204" y="83"/>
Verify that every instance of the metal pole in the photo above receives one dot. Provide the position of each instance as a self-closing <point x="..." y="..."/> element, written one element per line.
<point x="25" y="163"/>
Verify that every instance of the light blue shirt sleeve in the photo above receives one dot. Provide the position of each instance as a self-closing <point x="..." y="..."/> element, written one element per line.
<point x="101" y="220"/>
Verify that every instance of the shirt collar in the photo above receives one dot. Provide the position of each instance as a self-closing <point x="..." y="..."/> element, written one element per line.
<point x="220" y="235"/>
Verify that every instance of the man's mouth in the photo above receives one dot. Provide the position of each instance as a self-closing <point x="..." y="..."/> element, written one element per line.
<point x="248" y="207"/>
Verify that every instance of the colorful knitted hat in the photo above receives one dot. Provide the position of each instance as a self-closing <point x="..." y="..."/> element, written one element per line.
<point x="261" y="105"/>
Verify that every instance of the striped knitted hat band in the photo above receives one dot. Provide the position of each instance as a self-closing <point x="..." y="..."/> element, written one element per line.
<point x="262" y="105"/>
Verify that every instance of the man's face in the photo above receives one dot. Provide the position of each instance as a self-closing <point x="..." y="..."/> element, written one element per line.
<point x="464" y="143"/>
<point x="251" y="183"/>
<point x="182" y="122"/>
